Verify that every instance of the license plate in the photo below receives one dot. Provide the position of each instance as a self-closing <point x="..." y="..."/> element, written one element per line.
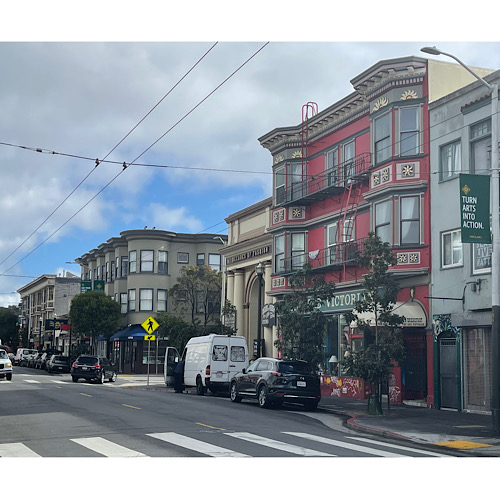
<point x="301" y="383"/>
<point x="85" y="367"/>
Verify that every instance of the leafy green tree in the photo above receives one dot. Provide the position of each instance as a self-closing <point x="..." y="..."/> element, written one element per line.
<point x="301" y="323"/>
<point x="93" y="314"/>
<point x="9" y="334"/>
<point x="197" y="295"/>
<point x="176" y="329"/>
<point x="374" y="362"/>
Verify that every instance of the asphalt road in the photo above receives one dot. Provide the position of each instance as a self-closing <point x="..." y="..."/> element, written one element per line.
<point x="48" y="415"/>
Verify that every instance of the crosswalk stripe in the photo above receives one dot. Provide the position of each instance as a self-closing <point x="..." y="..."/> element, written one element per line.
<point x="16" y="450"/>
<point x="355" y="447"/>
<point x="399" y="447"/>
<point x="195" y="445"/>
<point x="30" y="381"/>
<point x="107" y="448"/>
<point x="278" y="445"/>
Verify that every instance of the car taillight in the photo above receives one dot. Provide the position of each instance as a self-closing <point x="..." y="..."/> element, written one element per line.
<point x="97" y="365"/>
<point x="74" y="364"/>
<point x="277" y="374"/>
<point x="207" y="370"/>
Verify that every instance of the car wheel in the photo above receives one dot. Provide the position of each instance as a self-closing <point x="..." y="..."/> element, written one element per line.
<point x="263" y="399"/>
<point x="9" y="376"/>
<point x="100" y="379"/>
<point x="234" y="393"/>
<point x="311" y="405"/>
<point x="74" y="379"/>
<point x="113" y="377"/>
<point x="200" y="390"/>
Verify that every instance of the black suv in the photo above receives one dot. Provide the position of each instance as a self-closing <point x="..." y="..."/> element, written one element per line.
<point x="273" y="381"/>
<point x="93" y="368"/>
<point x="57" y="363"/>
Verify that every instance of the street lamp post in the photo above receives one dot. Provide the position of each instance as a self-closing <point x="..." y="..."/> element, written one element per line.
<point x="259" y="270"/>
<point x="495" y="240"/>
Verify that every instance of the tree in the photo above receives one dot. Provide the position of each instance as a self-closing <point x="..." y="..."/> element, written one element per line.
<point x="9" y="334"/>
<point x="374" y="362"/>
<point x="176" y="329"/>
<point x="300" y="320"/>
<point x="93" y="314"/>
<point x="197" y="294"/>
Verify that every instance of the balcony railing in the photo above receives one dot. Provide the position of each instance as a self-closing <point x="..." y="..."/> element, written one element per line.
<point x="325" y="184"/>
<point x="333" y="257"/>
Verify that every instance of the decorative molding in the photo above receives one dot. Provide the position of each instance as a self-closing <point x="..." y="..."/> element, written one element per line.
<point x="409" y="94"/>
<point x="380" y="177"/>
<point x="409" y="170"/>
<point x="278" y="159"/>
<point x="297" y="213"/>
<point x="381" y="102"/>
<point x="297" y="154"/>
<point x="408" y="258"/>
<point x="278" y="216"/>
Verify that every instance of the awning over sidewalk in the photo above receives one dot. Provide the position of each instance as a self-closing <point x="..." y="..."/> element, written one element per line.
<point x="413" y="312"/>
<point x="132" y="332"/>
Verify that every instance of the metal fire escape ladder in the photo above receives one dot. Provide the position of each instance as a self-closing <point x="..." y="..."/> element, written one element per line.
<point x="308" y="111"/>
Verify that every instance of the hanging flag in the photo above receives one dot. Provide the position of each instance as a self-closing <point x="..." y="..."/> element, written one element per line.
<point x="475" y="208"/>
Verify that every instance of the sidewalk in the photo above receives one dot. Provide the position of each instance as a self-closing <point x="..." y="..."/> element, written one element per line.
<point x="470" y="434"/>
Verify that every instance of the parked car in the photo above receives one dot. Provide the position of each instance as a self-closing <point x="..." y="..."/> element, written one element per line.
<point x="91" y="367"/>
<point x="28" y="358"/>
<point x="32" y="363"/>
<point x="273" y="381"/>
<point x="21" y="353"/>
<point x="58" y="363"/>
<point x="5" y="365"/>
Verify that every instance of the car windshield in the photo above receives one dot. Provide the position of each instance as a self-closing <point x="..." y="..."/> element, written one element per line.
<point x="87" y="360"/>
<point x="3" y="354"/>
<point x="295" y="367"/>
<point x="61" y="358"/>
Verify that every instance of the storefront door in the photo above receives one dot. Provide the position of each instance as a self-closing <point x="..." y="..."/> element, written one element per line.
<point x="448" y="372"/>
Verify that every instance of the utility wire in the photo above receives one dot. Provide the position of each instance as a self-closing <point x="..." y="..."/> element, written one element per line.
<point x="97" y="161"/>
<point x="126" y="165"/>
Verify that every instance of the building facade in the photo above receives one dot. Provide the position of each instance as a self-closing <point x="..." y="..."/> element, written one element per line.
<point x="362" y="165"/>
<point x="45" y="304"/>
<point x="250" y="244"/>
<point x="460" y="138"/>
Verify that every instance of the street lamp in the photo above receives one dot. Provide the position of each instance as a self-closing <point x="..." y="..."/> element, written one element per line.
<point x="259" y="271"/>
<point x="495" y="239"/>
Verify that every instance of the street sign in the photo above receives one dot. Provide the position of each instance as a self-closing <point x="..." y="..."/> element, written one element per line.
<point x="150" y="325"/>
<point x="149" y="337"/>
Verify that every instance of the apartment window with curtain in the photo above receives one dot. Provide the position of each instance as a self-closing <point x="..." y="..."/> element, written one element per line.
<point x="349" y="152"/>
<point x="161" y="300"/>
<point x="117" y="268"/>
<point x="182" y="258"/>
<point x="410" y="220"/>
<point x="132" y="261"/>
<point x="382" y="140"/>
<point x="123" y="303"/>
<point x="146" y="299"/>
<point x="451" y="249"/>
<point x="131" y="300"/>
<point x="332" y="166"/>
<point x="298" y="249"/>
<point x="200" y="259"/>
<point x="383" y="220"/>
<point x="450" y="156"/>
<point x="124" y="268"/>
<point x="147" y="257"/>
<point x="279" y="253"/>
<point x="296" y="180"/>
<point x="112" y="270"/>
<point x="409" y="131"/>
<point x="279" y="185"/>
<point x="480" y="147"/>
<point x="162" y="262"/>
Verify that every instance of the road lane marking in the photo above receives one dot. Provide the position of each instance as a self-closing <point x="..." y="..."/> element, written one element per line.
<point x="398" y="447"/>
<point x="83" y="394"/>
<point x="107" y="448"/>
<point x="341" y="444"/>
<point x="16" y="450"/>
<point x="210" y="427"/>
<point x="130" y="406"/>
<point x="59" y="382"/>
<point x="278" y="445"/>
<point x="195" y="445"/>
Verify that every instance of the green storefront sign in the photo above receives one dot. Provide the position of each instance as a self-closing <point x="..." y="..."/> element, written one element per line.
<point x="342" y="301"/>
<point x="475" y="208"/>
<point x="98" y="285"/>
<point x="85" y="286"/>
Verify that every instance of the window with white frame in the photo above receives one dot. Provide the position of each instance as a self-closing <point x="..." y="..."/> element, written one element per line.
<point x="409" y="131"/>
<point x="332" y="165"/>
<point x="147" y="257"/>
<point x="480" y="147"/>
<point x="336" y="252"/>
<point x="162" y="262"/>
<point x="349" y="152"/>
<point x="214" y="261"/>
<point x="117" y="268"/>
<point x="382" y="144"/>
<point x="450" y="156"/>
<point x="131" y="299"/>
<point x="451" y="249"/>
<point x="279" y="253"/>
<point x="182" y="258"/>
<point x="124" y="267"/>
<point x="279" y="185"/>
<point x="481" y="258"/>
<point x="132" y="261"/>
<point x="123" y="303"/>
<point x="200" y="259"/>
<point x="146" y="299"/>
<point x="107" y="271"/>
<point x="409" y="220"/>
<point x="161" y="300"/>
<point x="112" y="270"/>
<point x="296" y="183"/>
<point x="383" y="220"/>
<point x="298" y="249"/>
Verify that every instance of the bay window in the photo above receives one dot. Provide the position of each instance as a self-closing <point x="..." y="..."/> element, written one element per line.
<point x="147" y="257"/>
<point x="410" y="220"/>
<point x="382" y="146"/>
<point x="383" y="220"/>
<point x="146" y="299"/>
<point x="409" y="131"/>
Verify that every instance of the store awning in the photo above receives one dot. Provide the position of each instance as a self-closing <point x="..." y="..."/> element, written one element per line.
<point x="413" y="312"/>
<point x="132" y="332"/>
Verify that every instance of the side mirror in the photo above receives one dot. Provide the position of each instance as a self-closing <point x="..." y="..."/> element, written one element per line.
<point x="244" y="370"/>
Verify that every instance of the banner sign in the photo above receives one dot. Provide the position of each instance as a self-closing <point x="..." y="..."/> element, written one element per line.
<point x="475" y="208"/>
<point x="85" y="286"/>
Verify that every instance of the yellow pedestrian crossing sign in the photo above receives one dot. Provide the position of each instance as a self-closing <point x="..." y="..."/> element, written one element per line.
<point x="149" y="337"/>
<point x="150" y="325"/>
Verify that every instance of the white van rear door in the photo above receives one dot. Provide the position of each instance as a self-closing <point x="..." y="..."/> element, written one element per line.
<point x="238" y="357"/>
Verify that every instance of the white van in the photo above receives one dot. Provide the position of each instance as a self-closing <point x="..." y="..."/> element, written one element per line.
<point x="211" y="361"/>
<point x="22" y="355"/>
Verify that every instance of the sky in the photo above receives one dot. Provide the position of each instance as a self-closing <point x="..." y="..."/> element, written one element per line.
<point x="184" y="114"/>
